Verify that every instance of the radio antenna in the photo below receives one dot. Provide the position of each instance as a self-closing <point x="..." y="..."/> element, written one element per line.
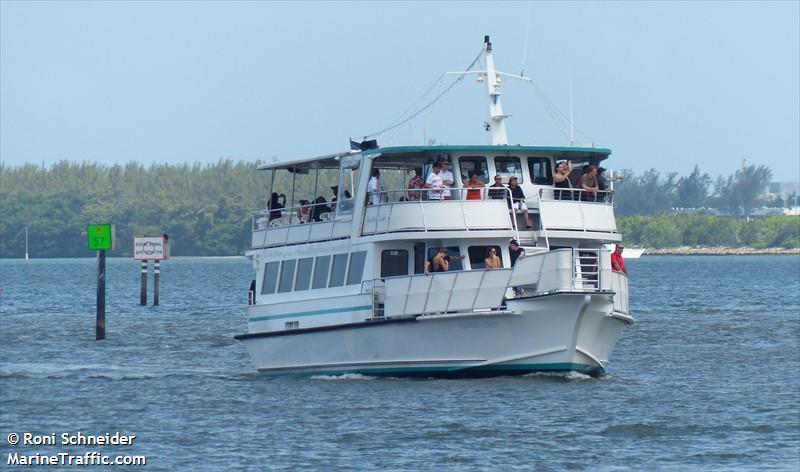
<point x="525" y="47"/>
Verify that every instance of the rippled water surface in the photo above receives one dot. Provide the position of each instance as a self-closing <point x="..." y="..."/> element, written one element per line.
<point x="706" y="380"/>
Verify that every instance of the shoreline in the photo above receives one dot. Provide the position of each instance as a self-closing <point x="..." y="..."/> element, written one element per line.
<point x="720" y="251"/>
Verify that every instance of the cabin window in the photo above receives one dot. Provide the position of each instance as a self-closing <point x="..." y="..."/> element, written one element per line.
<point x="270" y="278"/>
<point x="453" y="252"/>
<point x="507" y="167"/>
<point x="540" y="171"/>
<point x="419" y="258"/>
<point x="478" y="254"/>
<point x="339" y="270"/>
<point x="321" y="272"/>
<point x="356" y="272"/>
<point x="304" y="273"/>
<point x="287" y="276"/>
<point x="476" y="164"/>
<point x="394" y="262"/>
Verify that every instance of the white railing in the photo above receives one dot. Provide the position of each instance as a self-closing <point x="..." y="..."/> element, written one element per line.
<point x="398" y="212"/>
<point x="557" y="271"/>
<point x="582" y="210"/>
<point x="297" y="225"/>
<point x="442" y="292"/>
<point x="560" y="270"/>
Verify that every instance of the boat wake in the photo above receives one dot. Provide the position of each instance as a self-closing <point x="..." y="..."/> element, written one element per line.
<point x="344" y="377"/>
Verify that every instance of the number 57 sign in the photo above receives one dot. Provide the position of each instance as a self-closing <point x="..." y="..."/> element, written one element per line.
<point x="100" y="237"/>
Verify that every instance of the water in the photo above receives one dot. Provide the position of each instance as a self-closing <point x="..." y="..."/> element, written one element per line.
<point x="706" y="380"/>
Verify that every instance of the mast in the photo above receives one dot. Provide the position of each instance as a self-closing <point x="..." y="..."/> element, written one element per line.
<point x="497" y="124"/>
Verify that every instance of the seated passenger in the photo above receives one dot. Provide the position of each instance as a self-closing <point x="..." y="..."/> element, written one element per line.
<point x="320" y="207"/>
<point x="416" y="182"/>
<point x="275" y="205"/>
<point x="517" y="201"/>
<point x="474" y="186"/>
<point x="304" y="212"/>
<point x="589" y="184"/>
<point x="497" y="191"/>
<point x="492" y="261"/>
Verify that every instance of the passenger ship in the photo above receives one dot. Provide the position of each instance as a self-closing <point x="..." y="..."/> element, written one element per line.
<point x="347" y="291"/>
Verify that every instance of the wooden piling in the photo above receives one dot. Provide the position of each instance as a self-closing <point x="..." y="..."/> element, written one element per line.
<point x="143" y="291"/>
<point x="156" y="280"/>
<point x="100" y="325"/>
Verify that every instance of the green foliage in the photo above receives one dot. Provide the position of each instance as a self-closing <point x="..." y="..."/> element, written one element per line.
<point x="204" y="208"/>
<point x="704" y="229"/>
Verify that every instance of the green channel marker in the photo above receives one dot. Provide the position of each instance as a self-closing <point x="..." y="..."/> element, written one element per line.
<point x="98" y="237"/>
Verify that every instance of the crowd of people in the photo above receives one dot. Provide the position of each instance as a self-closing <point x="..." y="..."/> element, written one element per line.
<point x="438" y="185"/>
<point x="307" y="211"/>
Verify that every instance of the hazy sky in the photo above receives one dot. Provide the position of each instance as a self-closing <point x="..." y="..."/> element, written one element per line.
<point x="663" y="84"/>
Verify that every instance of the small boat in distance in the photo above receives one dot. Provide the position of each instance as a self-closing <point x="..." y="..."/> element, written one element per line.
<point x="419" y="266"/>
<point x="633" y="252"/>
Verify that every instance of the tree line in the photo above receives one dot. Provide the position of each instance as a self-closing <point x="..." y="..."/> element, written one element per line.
<point x="206" y="208"/>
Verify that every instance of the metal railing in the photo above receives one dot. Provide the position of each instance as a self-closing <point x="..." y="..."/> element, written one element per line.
<point x="390" y="198"/>
<point x="578" y="197"/>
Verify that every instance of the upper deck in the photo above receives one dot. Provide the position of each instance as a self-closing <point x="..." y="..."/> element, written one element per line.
<point x="404" y="208"/>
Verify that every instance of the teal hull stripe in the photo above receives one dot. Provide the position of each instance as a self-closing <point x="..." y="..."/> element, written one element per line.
<point x="312" y="313"/>
<point x="554" y="367"/>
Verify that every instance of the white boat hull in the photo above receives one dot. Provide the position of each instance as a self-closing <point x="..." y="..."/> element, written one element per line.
<point x="556" y="333"/>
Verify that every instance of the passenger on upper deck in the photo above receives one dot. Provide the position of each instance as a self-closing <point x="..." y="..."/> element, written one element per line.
<point x="561" y="180"/>
<point x="602" y="183"/>
<point x="434" y="182"/>
<point x="497" y="191"/>
<point x="304" y="212"/>
<point x="474" y="186"/>
<point x="447" y="179"/>
<point x="589" y="184"/>
<point x="335" y="189"/>
<point x="320" y="207"/>
<point x="517" y="201"/>
<point x="374" y="188"/>
<point x="416" y="182"/>
<point x="275" y="205"/>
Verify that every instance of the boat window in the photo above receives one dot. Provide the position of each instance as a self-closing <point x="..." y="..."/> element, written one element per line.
<point x="394" y="262"/>
<point x="508" y="167"/>
<point x="287" y="276"/>
<point x="477" y="255"/>
<point x="270" y="278"/>
<point x="455" y="256"/>
<point x="419" y="258"/>
<point x="356" y="272"/>
<point x="348" y="181"/>
<point x="304" y="273"/>
<point x="321" y="271"/>
<point x="539" y="168"/>
<point x="339" y="270"/>
<point x="476" y="164"/>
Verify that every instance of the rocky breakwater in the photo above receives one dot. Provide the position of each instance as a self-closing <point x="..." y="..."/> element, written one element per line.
<point x="720" y="251"/>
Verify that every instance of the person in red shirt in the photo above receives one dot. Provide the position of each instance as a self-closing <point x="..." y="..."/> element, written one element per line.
<point x="617" y="264"/>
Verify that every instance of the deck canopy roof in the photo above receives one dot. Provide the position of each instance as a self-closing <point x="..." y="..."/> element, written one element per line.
<point x="399" y="153"/>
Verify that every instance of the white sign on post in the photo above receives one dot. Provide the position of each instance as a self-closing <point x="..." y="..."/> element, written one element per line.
<point x="150" y="248"/>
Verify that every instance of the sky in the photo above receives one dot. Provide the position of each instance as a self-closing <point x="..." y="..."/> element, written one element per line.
<point x="664" y="85"/>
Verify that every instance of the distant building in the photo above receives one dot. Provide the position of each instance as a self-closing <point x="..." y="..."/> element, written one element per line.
<point x="784" y="189"/>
